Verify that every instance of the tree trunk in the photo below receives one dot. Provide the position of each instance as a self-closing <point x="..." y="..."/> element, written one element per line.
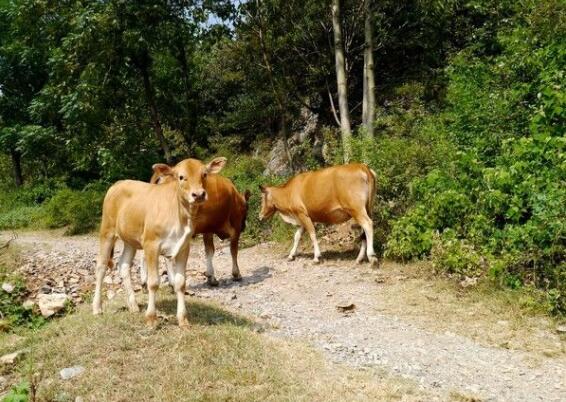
<point x="341" y="81"/>
<point x="277" y="93"/>
<point x="368" y="113"/>
<point x="191" y="113"/>
<point x="17" y="167"/>
<point x="153" y="111"/>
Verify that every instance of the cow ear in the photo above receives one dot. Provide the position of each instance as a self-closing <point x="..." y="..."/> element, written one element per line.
<point x="216" y="165"/>
<point x="247" y="195"/>
<point x="161" y="169"/>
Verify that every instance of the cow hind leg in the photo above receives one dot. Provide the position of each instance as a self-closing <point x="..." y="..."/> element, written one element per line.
<point x="209" y="250"/>
<point x="309" y="227"/>
<point x="296" y="240"/>
<point x="234" y="241"/>
<point x="103" y="260"/>
<point x="125" y="267"/>
<point x="367" y="225"/>
<point x="362" y="253"/>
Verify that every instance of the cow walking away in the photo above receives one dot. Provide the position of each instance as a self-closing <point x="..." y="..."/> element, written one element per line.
<point x="223" y="214"/>
<point x="332" y="195"/>
<point x="158" y="219"/>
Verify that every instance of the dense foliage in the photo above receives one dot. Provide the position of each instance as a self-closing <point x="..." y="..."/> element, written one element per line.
<point x="469" y="129"/>
<point x="499" y="202"/>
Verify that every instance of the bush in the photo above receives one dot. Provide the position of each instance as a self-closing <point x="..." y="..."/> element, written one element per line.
<point x="455" y="256"/>
<point x="500" y="201"/>
<point x="18" y="393"/>
<point x="80" y="211"/>
<point x="19" y="217"/>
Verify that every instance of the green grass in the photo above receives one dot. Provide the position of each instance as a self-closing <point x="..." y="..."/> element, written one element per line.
<point x="219" y="358"/>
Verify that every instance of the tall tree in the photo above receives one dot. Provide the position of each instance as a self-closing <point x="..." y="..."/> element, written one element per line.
<point x="368" y="103"/>
<point x="341" y="81"/>
<point x="278" y="92"/>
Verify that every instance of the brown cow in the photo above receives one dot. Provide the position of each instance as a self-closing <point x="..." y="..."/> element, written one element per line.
<point x="157" y="219"/>
<point x="332" y="195"/>
<point x="223" y="214"/>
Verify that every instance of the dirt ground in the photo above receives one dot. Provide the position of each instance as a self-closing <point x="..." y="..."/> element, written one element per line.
<point x="397" y="319"/>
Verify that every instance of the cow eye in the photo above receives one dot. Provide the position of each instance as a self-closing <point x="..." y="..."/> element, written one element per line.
<point x="181" y="177"/>
<point x="204" y="175"/>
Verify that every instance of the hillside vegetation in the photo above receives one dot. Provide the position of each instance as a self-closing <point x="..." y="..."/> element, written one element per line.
<point x="467" y="141"/>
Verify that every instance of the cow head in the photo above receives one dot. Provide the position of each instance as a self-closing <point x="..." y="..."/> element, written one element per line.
<point x="190" y="176"/>
<point x="267" y="206"/>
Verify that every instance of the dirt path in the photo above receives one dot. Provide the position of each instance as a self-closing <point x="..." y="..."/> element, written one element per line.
<point x="399" y="322"/>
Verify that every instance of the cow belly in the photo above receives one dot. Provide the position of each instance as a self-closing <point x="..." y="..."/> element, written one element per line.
<point x="332" y="217"/>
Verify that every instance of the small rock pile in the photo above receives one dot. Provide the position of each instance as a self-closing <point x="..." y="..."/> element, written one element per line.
<point x="54" y="278"/>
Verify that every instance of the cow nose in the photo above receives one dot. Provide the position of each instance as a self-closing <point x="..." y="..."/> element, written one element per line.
<point x="199" y="195"/>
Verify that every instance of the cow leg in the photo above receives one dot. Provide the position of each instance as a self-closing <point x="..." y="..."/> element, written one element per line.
<point x="143" y="275"/>
<point x="309" y="227"/>
<point x="367" y="225"/>
<point x="234" y="252"/>
<point x="170" y="266"/>
<point x="151" y="254"/>
<point x="124" y="265"/>
<point x="362" y="253"/>
<point x="104" y="257"/>
<point x="180" y="264"/>
<point x="298" y="235"/>
<point x="209" y="250"/>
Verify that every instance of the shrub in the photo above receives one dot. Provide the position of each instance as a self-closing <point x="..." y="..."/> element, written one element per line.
<point x="19" y="217"/>
<point x="18" y="393"/>
<point x="80" y="211"/>
<point x="411" y="236"/>
<point x="501" y="198"/>
<point x="456" y="256"/>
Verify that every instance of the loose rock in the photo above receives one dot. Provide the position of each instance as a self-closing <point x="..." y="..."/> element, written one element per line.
<point x="50" y="304"/>
<point x="7" y="287"/>
<point x="345" y="306"/>
<point x="70" y="372"/>
<point x="11" y="358"/>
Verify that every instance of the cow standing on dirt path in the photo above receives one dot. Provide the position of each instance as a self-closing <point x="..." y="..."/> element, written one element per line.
<point x="223" y="214"/>
<point x="332" y="195"/>
<point x="159" y="220"/>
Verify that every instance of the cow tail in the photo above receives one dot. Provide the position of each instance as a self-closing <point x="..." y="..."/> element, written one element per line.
<point x="372" y="191"/>
<point x="110" y="260"/>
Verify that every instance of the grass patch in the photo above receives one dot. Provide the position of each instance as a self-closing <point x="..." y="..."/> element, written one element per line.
<point x="493" y="316"/>
<point x="219" y="358"/>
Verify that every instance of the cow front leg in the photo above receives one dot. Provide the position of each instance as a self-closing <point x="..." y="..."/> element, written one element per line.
<point x="297" y="239"/>
<point x="180" y="284"/>
<point x="209" y="250"/>
<point x="125" y="267"/>
<point x="234" y="252"/>
<point x="151" y="255"/>
<point x="309" y="227"/>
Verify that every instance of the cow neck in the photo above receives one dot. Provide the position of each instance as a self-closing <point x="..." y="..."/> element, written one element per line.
<point x="279" y="198"/>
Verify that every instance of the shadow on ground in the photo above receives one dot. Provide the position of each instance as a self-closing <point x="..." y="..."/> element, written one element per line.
<point x="331" y="255"/>
<point x="202" y="313"/>
<point x="256" y="276"/>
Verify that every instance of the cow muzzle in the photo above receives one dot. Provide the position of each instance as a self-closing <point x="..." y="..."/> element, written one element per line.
<point x="198" y="196"/>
